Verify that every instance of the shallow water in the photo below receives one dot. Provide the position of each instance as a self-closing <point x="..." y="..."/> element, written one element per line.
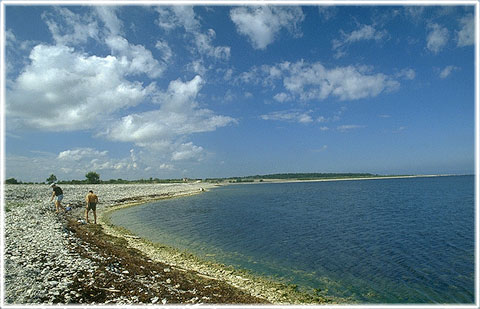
<point x="375" y="241"/>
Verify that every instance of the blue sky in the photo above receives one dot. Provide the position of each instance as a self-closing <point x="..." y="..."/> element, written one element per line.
<point x="215" y="91"/>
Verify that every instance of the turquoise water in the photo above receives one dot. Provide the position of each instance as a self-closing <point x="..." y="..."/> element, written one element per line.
<point x="375" y="241"/>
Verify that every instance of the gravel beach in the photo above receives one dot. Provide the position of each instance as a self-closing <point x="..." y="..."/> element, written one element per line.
<point x="48" y="259"/>
<point x="54" y="258"/>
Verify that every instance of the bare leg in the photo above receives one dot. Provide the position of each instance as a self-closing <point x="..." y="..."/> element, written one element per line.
<point x="86" y="215"/>
<point x="95" y="216"/>
<point x="58" y="206"/>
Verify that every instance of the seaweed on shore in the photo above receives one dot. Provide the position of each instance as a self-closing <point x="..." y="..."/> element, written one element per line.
<point x="125" y="275"/>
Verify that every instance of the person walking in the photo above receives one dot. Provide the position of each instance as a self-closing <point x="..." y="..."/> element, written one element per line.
<point x="92" y="201"/>
<point x="57" y="194"/>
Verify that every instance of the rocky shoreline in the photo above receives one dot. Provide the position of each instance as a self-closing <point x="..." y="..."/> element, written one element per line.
<point x="57" y="259"/>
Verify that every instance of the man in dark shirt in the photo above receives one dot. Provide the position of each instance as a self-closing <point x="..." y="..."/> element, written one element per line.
<point x="58" y="195"/>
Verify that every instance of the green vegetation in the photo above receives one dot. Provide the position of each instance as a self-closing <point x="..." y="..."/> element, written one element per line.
<point x="238" y="180"/>
<point x="92" y="178"/>
<point x="122" y="181"/>
<point x="51" y="178"/>
<point x="12" y="181"/>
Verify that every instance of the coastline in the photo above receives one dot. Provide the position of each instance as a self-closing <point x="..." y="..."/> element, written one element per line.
<point x="54" y="259"/>
<point x="272" y="291"/>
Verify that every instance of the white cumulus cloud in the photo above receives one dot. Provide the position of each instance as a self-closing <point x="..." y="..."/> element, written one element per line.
<point x="71" y="164"/>
<point x="447" y="71"/>
<point x="65" y="90"/>
<point x="313" y="81"/>
<point x="466" y="35"/>
<point x="108" y="14"/>
<point x="187" y="151"/>
<point x="282" y="97"/>
<point x="408" y="74"/>
<point x="81" y="154"/>
<point x="170" y="18"/>
<point x="72" y="29"/>
<point x="180" y="96"/>
<point x="165" y="166"/>
<point x="136" y="59"/>
<point x="69" y="28"/>
<point x="63" y="87"/>
<point x="178" y="116"/>
<point x="262" y="24"/>
<point x="437" y="38"/>
<point x="148" y="128"/>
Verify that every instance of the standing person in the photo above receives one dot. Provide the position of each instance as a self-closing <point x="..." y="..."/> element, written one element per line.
<point x="58" y="195"/>
<point x="92" y="201"/>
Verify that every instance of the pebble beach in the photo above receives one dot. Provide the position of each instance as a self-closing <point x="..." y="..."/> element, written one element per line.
<point x="54" y="258"/>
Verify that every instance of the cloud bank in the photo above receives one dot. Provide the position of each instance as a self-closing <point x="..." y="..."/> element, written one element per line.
<point x="64" y="88"/>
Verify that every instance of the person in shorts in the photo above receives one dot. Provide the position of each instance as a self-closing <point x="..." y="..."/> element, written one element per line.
<point x="92" y="201"/>
<point x="57" y="194"/>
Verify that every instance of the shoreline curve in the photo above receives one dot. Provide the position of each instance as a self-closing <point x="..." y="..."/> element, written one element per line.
<point x="258" y="286"/>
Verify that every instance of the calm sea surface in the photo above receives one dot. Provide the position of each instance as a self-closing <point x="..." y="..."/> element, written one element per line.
<point x="375" y="241"/>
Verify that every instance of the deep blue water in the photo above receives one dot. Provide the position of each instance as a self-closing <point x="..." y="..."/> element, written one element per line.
<point x="375" y="241"/>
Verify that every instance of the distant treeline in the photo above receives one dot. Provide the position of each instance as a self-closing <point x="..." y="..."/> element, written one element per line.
<point x="93" y="178"/>
<point x="111" y="181"/>
<point x="122" y="181"/>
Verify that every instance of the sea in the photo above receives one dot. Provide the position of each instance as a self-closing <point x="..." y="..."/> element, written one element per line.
<point x="385" y="241"/>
